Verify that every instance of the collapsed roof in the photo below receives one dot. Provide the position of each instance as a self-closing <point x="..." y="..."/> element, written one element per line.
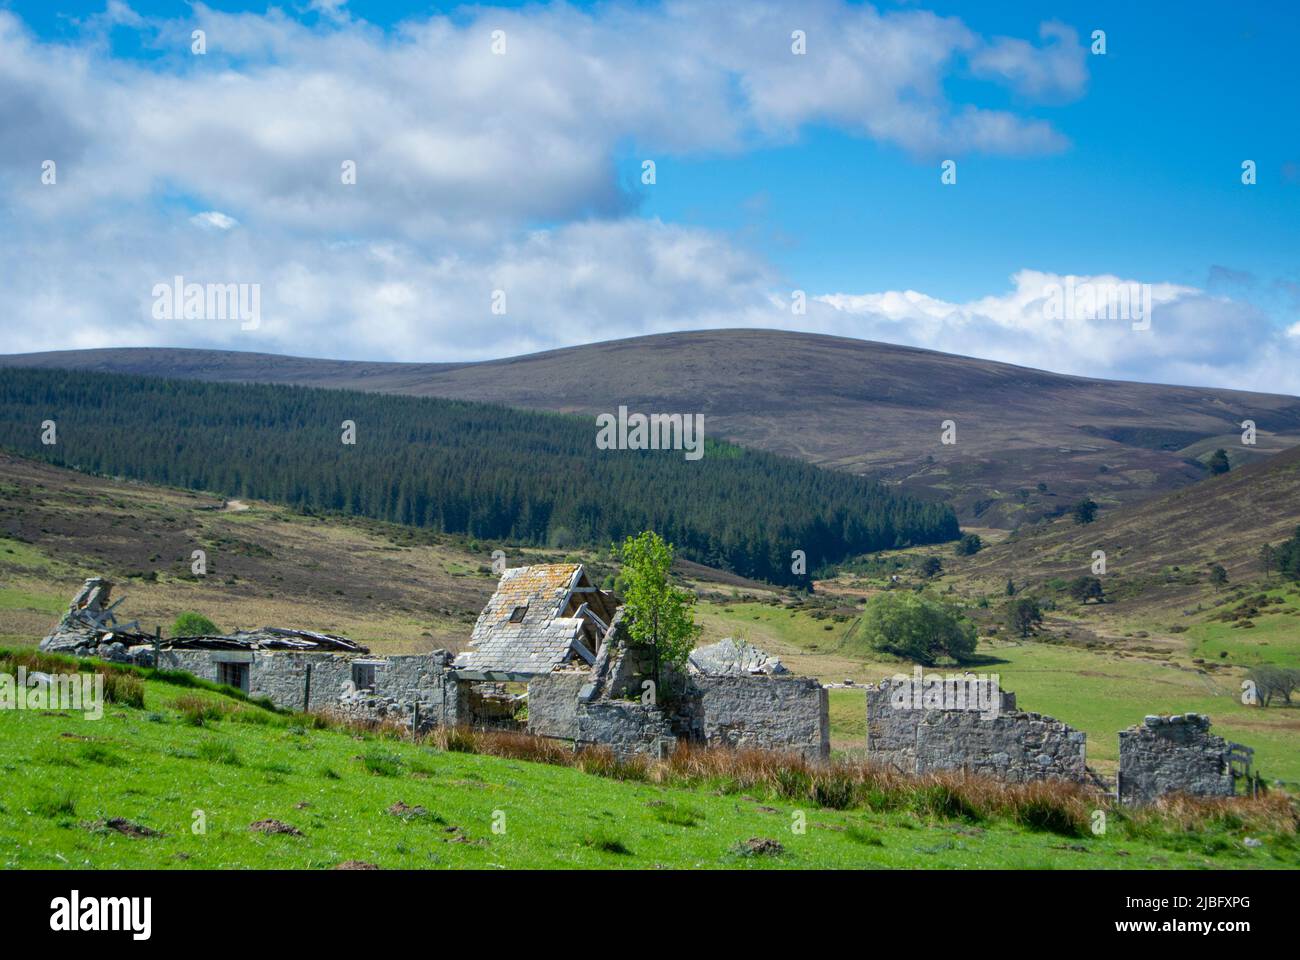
<point x="540" y="618"/>
<point x="269" y="638"/>
<point x="734" y="657"/>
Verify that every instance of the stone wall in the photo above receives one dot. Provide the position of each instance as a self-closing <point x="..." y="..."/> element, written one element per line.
<point x="553" y="704"/>
<point x="762" y="712"/>
<point x="282" y="677"/>
<point x="626" y="727"/>
<point x="1168" y="754"/>
<point x="557" y="708"/>
<point x="1013" y="746"/>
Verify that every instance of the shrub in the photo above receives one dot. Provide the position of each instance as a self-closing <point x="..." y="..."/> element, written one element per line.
<point x="1085" y="511"/>
<point x="190" y="624"/>
<point x="1023" y="614"/>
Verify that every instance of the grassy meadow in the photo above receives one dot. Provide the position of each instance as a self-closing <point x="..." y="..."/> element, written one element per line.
<point x="272" y="790"/>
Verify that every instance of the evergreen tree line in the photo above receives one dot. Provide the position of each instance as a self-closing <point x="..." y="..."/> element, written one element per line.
<point x="494" y="473"/>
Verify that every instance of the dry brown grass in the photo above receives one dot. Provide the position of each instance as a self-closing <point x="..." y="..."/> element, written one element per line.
<point x="1052" y="806"/>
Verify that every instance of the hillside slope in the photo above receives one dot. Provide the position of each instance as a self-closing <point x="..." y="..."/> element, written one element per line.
<point x="852" y="404"/>
<point x="489" y="471"/>
<point x="1221" y="520"/>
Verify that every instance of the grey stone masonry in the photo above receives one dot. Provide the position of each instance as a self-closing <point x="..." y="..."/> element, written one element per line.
<point x="283" y="677"/>
<point x="626" y="727"/>
<point x="1176" y="754"/>
<point x="784" y="713"/>
<point x="553" y="703"/>
<point x="1007" y="744"/>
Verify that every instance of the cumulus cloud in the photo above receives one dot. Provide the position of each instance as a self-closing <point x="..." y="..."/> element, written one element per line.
<point x="214" y="220"/>
<point x="477" y="173"/>
<point x="1101" y="329"/>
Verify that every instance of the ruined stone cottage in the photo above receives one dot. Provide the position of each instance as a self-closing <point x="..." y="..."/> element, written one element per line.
<point x="1178" y="754"/>
<point x="587" y="679"/>
<point x="547" y="630"/>
<point x="922" y="725"/>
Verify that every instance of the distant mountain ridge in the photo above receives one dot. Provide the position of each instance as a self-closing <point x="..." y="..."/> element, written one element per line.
<point x="858" y="405"/>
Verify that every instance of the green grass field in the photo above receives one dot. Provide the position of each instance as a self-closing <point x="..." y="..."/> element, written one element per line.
<point x="65" y="778"/>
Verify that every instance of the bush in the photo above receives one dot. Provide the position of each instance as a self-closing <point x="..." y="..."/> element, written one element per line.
<point x="190" y="624"/>
<point x="1087" y="588"/>
<point x="908" y="625"/>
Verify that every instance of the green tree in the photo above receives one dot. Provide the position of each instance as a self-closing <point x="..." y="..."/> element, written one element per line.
<point x="190" y="624"/>
<point x="969" y="545"/>
<point x="908" y="625"/>
<point x="659" y="614"/>
<point x="1218" y="575"/>
<point x="1267" y="559"/>
<point x="1011" y="587"/>
<point x="1085" y="511"/>
<point x="931" y="566"/>
<point x="1087" y="588"/>
<point x="1218" y="462"/>
<point x="1271" y="681"/>
<point x="1287" y="557"/>
<point x="1023" y="614"/>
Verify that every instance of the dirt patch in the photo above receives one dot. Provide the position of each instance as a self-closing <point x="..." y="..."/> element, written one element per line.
<point x="270" y="827"/>
<point x="125" y="827"/>
<point x="760" y="847"/>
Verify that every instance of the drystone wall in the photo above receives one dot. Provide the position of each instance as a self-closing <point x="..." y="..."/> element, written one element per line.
<point x="790" y="714"/>
<point x="785" y="713"/>
<point x="1013" y="746"/>
<point x="1175" y="754"/>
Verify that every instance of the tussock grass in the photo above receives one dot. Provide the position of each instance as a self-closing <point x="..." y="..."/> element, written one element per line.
<point x="1048" y="806"/>
<point x="197" y="711"/>
<point x="60" y="803"/>
<point x="218" y="751"/>
<point x="606" y="842"/>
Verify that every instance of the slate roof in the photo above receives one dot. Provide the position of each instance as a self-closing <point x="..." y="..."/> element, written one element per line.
<point x="544" y="638"/>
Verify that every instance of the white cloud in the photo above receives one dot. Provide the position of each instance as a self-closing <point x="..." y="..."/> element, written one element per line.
<point x="460" y="154"/>
<point x="214" y="220"/>
<point x="1193" y="337"/>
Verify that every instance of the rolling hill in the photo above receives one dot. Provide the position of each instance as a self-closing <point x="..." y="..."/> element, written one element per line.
<point x="856" y="405"/>
<point x="1224" y="520"/>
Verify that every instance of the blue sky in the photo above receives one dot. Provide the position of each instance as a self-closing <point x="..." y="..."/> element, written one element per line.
<point x="773" y="174"/>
